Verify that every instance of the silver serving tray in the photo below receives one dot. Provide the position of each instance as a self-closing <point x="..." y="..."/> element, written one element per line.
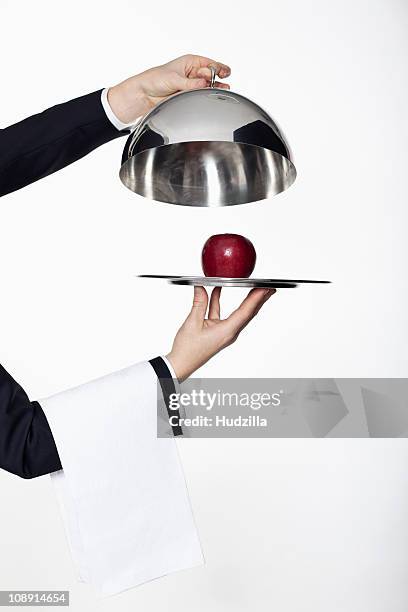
<point x="212" y="281"/>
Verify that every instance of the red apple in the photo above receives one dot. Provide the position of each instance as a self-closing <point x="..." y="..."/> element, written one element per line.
<point x="229" y="255"/>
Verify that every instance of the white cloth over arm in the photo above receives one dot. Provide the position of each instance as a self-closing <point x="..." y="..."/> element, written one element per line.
<point x="122" y="490"/>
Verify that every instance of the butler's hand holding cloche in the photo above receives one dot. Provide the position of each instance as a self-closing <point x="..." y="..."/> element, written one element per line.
<point x="138" y="94"/>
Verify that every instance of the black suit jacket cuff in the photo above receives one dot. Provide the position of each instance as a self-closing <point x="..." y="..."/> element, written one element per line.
<point x="168" y="388"/>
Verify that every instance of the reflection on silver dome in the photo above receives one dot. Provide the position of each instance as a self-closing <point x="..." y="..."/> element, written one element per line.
<point x="198" y="149"/>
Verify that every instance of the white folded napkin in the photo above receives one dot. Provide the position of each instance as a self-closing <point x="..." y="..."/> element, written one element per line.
<point x="122" y="491"/>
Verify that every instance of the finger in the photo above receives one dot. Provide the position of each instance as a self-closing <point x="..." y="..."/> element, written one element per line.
<point x="251" y="305"/>
<point x="200" y="84"/>
<point x="183" y="83"/>
<point x="190" y="65"/>
<point x="199" y="308"/>
<point x="221" y="70"/>
<point x="214" y="309"/>
<point x="221" y="85"/>
<point x="268" y="294"/>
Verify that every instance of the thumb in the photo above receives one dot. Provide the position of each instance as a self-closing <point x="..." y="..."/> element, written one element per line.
<point x="199" y="308"/>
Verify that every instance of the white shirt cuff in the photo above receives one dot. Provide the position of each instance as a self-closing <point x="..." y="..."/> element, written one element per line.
<point x="182" y="409"/>
<point x="119" y="125"/>
<point x="172" y="372"/>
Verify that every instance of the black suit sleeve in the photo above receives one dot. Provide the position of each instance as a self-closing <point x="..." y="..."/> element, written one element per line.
<point x="27" y="447"/>
<point x="51" y="140"/>
<point x="31" y="150"/>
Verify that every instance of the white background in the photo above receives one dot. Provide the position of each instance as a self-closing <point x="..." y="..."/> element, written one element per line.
<point x="285" y="525"/>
